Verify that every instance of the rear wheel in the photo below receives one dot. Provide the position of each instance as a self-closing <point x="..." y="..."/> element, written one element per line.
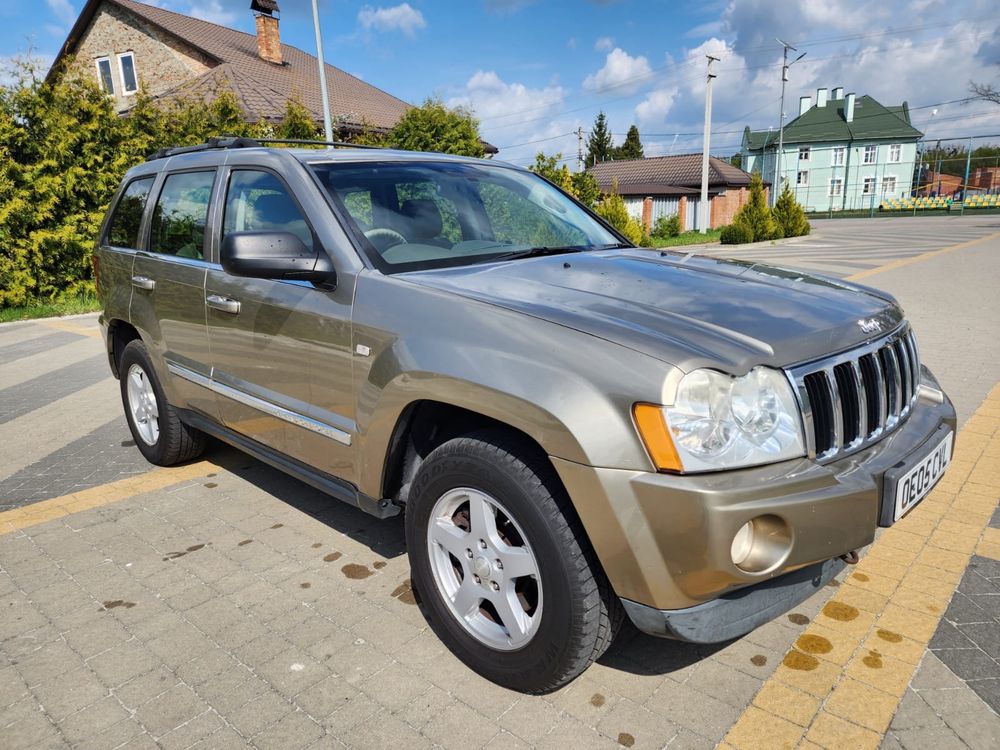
<point x="158" y="431"/>
<point x="505" y="573"/>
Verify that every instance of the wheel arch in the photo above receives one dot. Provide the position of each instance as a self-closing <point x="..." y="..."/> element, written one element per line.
<point x="120" y="333"/>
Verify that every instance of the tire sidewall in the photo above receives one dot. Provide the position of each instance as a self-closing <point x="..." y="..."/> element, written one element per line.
<point x="135" y="354"/>
<point x="534" y="665"/>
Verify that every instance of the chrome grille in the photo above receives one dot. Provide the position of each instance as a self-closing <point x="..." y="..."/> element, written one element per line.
<point x="850" y="400"/>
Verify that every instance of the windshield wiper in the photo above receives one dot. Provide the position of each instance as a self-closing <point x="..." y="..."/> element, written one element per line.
<point x="533" y="252"/>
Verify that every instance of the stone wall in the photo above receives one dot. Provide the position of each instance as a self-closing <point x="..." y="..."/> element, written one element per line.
<point x="162" y="61"/>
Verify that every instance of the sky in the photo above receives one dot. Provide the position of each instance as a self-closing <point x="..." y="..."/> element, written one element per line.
<point x="533" y="71"/>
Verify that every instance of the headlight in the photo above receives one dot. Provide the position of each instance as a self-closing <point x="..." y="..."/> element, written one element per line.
<point x="721" y="422"/>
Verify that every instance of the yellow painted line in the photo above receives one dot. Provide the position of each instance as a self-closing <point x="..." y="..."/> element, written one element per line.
<point x="105" y="494"/>
<point x="840" y="684"/>
<point x="920" y="258"/>
<point x="71" y="327"/>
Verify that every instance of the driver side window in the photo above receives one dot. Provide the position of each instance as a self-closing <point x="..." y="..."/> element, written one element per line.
<point x="258" y="202"/>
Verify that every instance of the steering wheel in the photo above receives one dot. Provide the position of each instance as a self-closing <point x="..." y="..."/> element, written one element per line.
<point x="383" y="238"/>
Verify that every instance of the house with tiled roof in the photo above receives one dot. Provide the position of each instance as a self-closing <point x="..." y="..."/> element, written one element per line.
<point x="839" y="153"/>
<point x="126" y="45"/>
<point x="666" y="185"/>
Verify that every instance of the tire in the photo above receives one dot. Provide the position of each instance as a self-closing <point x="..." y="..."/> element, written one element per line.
<point x="158" y="432"/>
<point x="569" y="613"/>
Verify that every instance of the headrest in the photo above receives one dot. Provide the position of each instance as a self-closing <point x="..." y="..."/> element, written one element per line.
<point x="425" y="218"/>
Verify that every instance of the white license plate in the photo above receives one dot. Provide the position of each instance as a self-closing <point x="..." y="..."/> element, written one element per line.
<point x="915" y="484"/>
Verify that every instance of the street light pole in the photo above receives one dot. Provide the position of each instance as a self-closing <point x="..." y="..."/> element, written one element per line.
<point x="703" y="204"/>
<point x="781" y="120"/>
<point x="327" y="122"/>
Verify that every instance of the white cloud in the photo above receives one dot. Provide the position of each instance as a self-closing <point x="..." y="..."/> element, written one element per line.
<point x="213" y="11"/>
<point x="621" y="72"/>
<point x="604" y="44"/>
<point x="571" y="42"/>
<point x="403" y="17"/>
<point x="653" y="110"/>
<point x="63" y="9"/>
<point x="511" y="113"/>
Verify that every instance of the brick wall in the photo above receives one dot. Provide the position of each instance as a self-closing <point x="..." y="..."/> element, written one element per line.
<point x="161" y="60"/>
<point x="726" y="204"/>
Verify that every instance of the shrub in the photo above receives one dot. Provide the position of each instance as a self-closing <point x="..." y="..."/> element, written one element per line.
<point x="613" y="210"/>
<point x="667" y="226"/>
<point x="789" y="215"/>
<point x="736" y="233"/>
<point x="755" y="214"/>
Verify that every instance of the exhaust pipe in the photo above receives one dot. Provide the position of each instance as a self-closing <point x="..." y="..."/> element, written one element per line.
<point x="851" y="558"/>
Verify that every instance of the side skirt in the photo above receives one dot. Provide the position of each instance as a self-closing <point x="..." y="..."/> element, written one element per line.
<point x="331" y="485"/>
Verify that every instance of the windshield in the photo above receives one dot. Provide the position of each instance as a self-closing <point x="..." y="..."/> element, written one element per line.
<point x="412" y="216"/>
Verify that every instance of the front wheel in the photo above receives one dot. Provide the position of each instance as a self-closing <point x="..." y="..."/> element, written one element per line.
<point x="507" y="578"/>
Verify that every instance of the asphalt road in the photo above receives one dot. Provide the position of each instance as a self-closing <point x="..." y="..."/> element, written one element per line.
<point x="223" y="604"/>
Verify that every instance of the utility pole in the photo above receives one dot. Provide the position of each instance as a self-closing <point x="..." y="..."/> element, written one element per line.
<point x="703" y="204"/>
<point x="965" y="182"/>
<point x="579" y="149"/>
<point x="327" y="122"/>
<point x="776" y="187"/>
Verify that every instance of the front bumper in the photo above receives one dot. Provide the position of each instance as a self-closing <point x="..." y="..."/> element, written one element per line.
<point x="664" y="540"/>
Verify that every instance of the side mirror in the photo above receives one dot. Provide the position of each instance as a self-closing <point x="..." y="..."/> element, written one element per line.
<point x="274" y="255"/>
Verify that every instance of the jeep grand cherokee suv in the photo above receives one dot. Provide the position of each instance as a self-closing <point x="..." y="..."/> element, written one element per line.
<point x="576" y="429"/>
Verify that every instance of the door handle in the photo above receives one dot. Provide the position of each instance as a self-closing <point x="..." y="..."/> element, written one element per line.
<point x="223" y="304"/>
<point x="143" y="282"/>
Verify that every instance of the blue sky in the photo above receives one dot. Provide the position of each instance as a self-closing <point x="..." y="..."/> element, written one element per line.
<point x="535" y="70"/>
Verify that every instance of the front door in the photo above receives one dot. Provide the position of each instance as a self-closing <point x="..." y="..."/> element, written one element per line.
<point x="168" y="288"/>
<point x="273" y="340"/>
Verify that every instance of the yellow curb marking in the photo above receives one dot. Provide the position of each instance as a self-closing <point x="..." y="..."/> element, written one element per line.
<point x="840" y="684"/>
<point x="920" y="258"/>
<point x="71" y="327"/>
<point x="95" y="497"/>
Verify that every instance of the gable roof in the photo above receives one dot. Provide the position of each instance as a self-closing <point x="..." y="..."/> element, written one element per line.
<point x="667" y="175"/>
<point x="872" y="121"/>
<point x="262" y="88"/>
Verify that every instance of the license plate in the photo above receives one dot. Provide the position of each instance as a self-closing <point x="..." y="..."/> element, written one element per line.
<point x="915" y="484"/>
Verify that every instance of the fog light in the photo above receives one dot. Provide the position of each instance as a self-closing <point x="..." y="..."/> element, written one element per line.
<point x="742" y="544"/>
<point x="761" y="544"/>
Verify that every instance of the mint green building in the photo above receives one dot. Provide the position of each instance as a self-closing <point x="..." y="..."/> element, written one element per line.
<point x="840" y="153"/>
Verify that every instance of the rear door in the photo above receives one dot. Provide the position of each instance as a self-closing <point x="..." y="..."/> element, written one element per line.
<point x="280" y="349"/>
<point x="168" y="287"/>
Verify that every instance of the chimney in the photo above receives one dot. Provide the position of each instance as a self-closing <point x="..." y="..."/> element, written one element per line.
<point x="838" y="93"/>
<point x="268" y="36"/>
<point x="821" y="97"/>
<point x="804" y="103"/>
<point x="849" y="108"/>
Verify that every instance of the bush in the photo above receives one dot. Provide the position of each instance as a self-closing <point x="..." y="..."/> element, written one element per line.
<point x="612" y="209"/>
<point x="666" y="227"/>
<point x="736" y="233"/>
<point x="789" y="216"/>
<point x="755" y="214"/>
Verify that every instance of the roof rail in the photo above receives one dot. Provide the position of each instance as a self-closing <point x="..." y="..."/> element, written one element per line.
<point x="225" y="142"/>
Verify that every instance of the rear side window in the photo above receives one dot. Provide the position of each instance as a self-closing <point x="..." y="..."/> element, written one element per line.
<point x="180" y="215"/>
<point x="259" y="202"/>
<point x="124" y="228"/>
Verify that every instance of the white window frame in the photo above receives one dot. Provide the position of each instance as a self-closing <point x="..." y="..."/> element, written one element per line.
<point x="802" y="178"/>
<point x="886" y="182"/>
<point x="836" y="187"/>
<point x="839" y="155"/>
<point x="111" y="74"/>
<point x="895" y="153"/>
<point x="868" y="186"/>
<point x="804" y="152"/>
<point x="873" y="149"/>
<point x="121" y="72"/>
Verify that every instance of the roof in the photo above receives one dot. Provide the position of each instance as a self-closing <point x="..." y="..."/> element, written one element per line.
<point x="872" y="121"/>
<point x="667" y="175"/>
<point x="262" y="88"/>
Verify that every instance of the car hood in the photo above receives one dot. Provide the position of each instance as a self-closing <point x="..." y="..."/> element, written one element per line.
<point x="689" y="310"/>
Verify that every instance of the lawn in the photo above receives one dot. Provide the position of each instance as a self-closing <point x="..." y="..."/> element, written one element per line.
<point x="687" y="238"/>
<point x="73" y="306"/>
